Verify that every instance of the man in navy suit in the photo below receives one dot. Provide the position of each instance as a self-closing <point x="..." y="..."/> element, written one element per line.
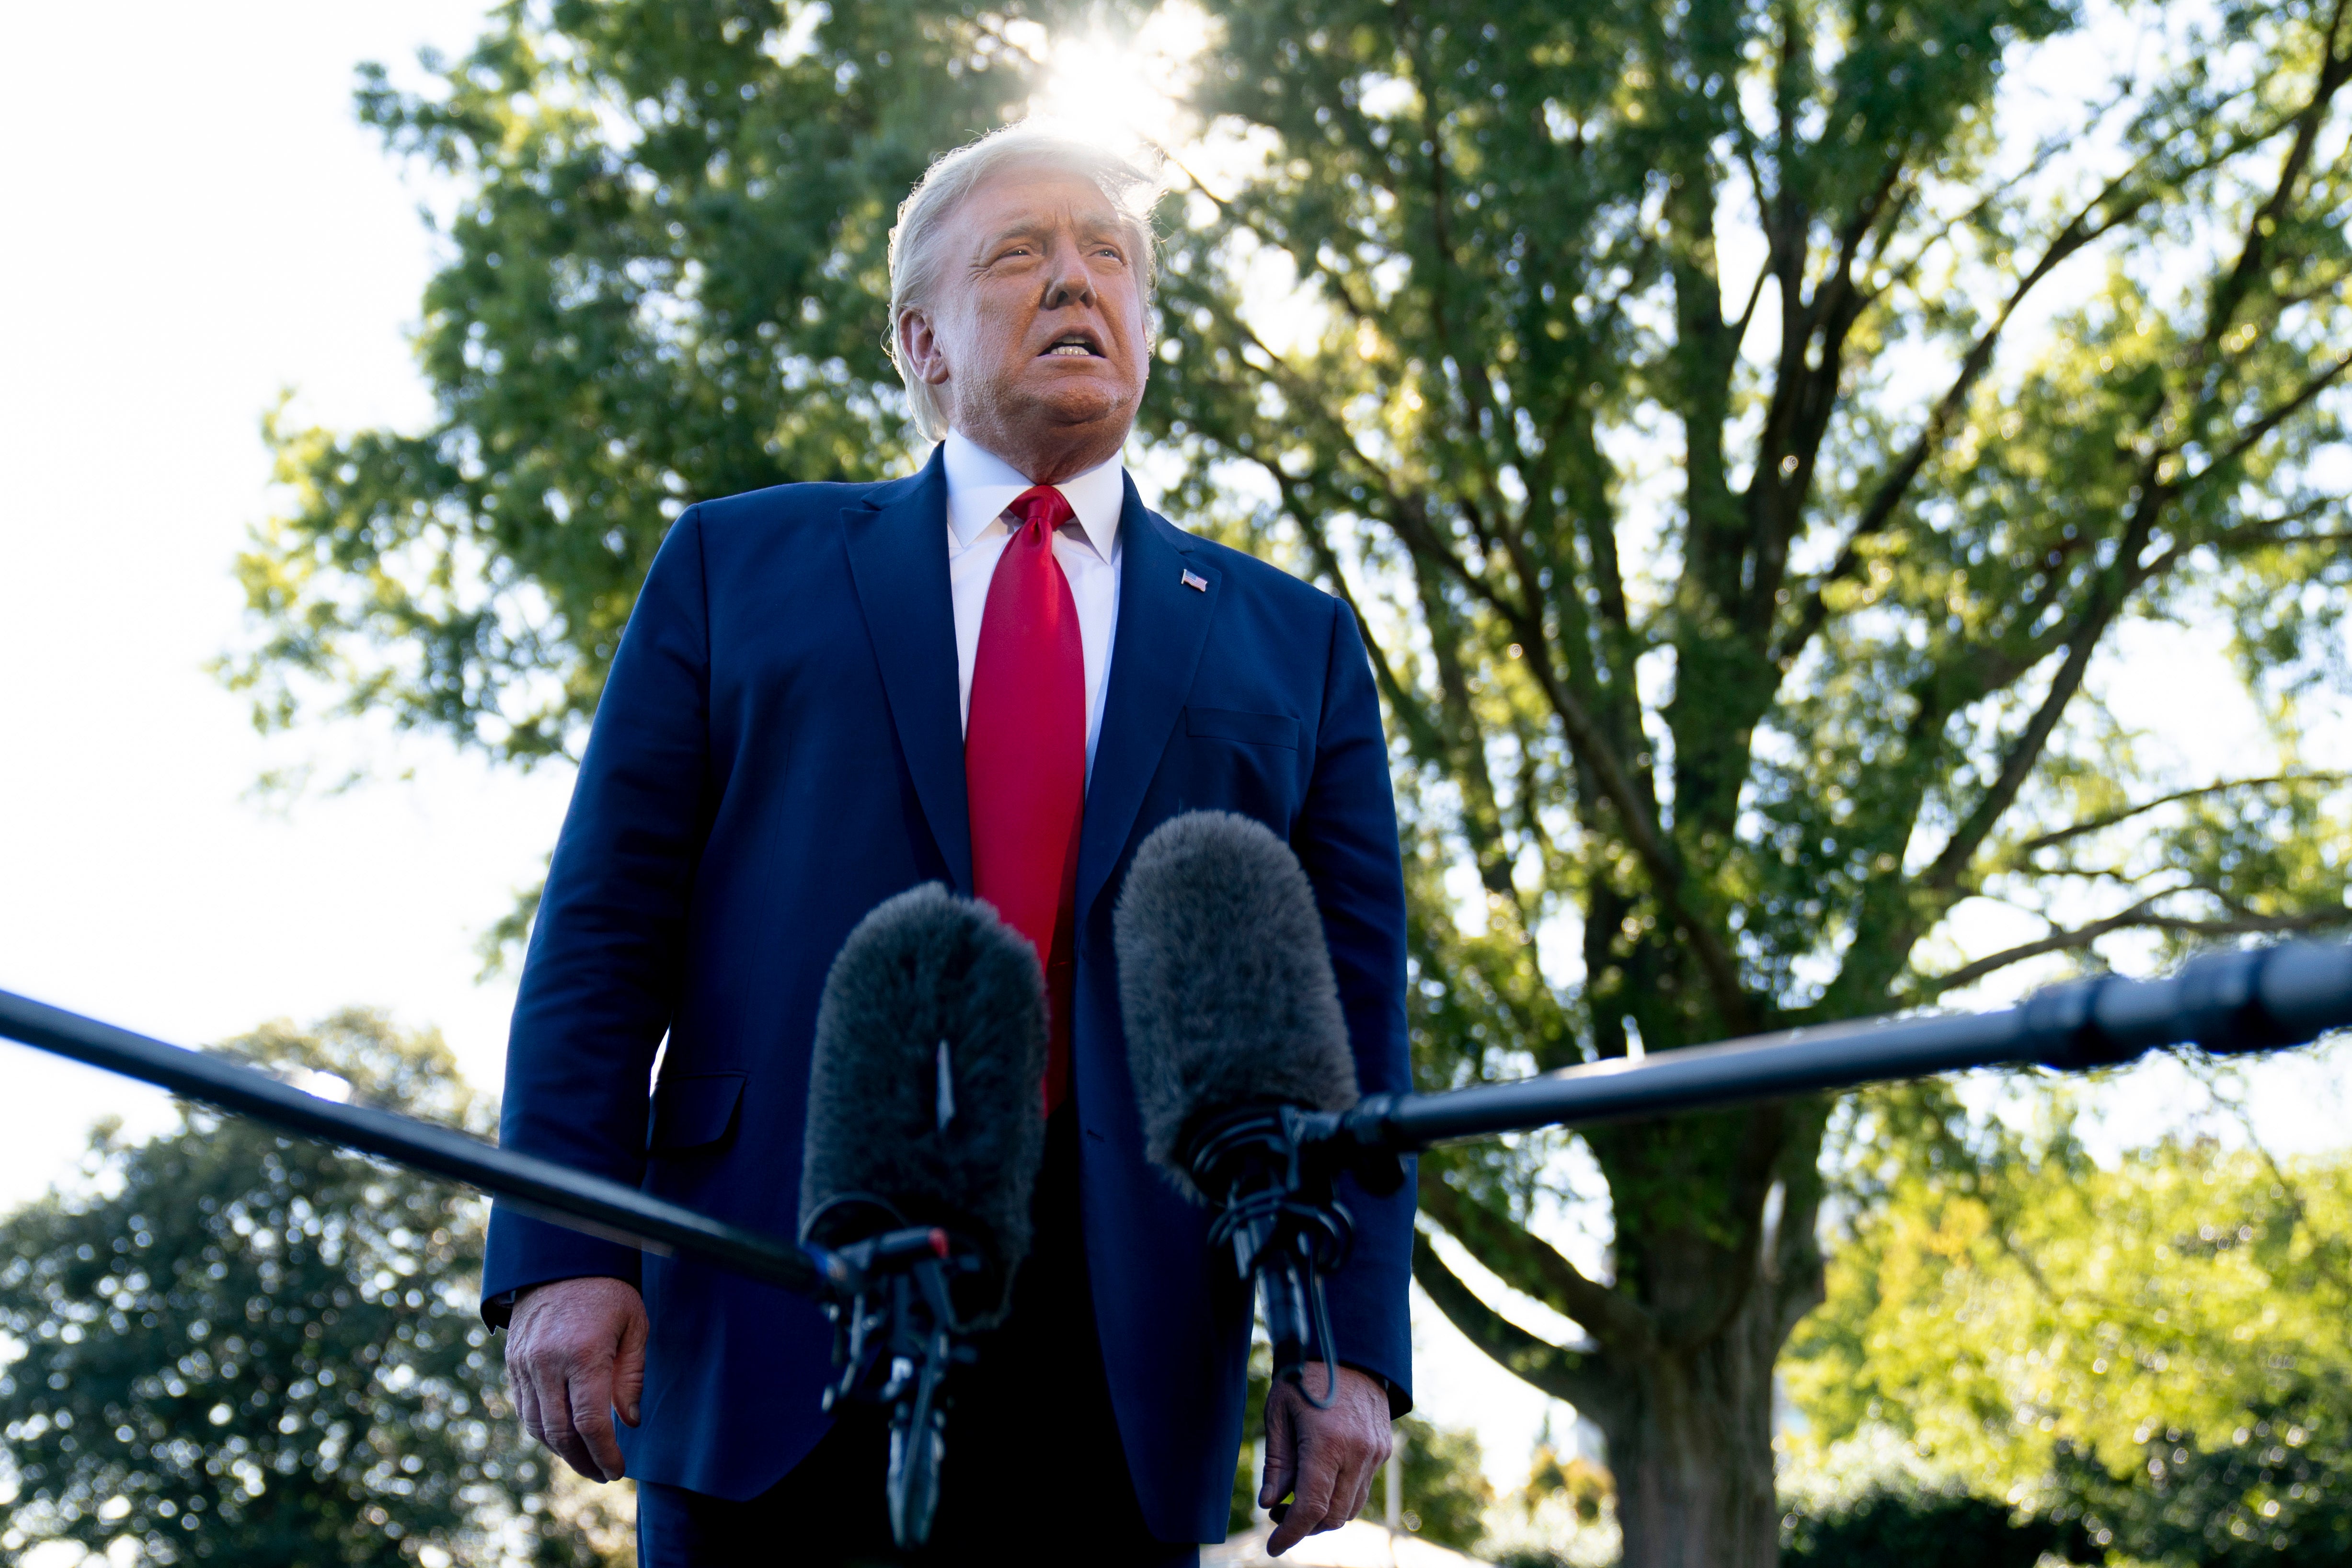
<point x="1000" y="674"/>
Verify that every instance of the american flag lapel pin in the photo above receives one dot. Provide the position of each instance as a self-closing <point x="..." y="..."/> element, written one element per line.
<point x="1195" y="582"/>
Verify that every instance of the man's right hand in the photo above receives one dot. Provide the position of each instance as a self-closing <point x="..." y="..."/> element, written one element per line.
<point x="576" y="1352"/>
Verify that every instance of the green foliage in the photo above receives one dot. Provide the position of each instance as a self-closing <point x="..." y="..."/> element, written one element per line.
<point x="1563" y="1516"/>
<point x="1922" y="1531"/>
<point x="2156" y="1349"/>
<point x="243" y="1348"/>
<point x="2277" y="1491"/>
<point x="1589" y="1488"/>
<point x="1445" y="1489"/>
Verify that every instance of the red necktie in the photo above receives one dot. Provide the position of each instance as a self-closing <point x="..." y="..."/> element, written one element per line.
<point x="1025" y="757"/>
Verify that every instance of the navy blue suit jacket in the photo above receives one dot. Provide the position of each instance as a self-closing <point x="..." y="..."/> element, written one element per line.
<point x="777" y="749"/>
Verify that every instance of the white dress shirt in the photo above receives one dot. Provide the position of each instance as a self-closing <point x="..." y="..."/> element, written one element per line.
<point x="980" y="486"/>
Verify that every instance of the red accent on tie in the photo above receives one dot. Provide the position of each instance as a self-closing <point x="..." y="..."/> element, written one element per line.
<point x="1025" y="757"/>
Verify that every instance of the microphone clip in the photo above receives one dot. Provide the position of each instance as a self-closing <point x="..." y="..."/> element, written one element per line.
<point x="1268" y="1172"/>
<point x="896" y="1334"/>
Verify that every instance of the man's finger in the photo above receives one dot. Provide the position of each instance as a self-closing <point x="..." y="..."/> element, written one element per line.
<point x="560" y="1407"/>
<point x="629" y="1369"/>
<point x="1365" y="1475"/>
<point x="555" y="1428"/>
<point x="526" y="1398"/>
<point x="590" y="1392"/>
<point x="1370" y="1461"/>
<point x="1346" y="1474"/>
<point x="1373" y="1465"/>
<point x="1281" y="1446"/>
<point x="1303" y="1518"/>
<point x="1311" y="1492"/>
<point x="1344" y="1444"/>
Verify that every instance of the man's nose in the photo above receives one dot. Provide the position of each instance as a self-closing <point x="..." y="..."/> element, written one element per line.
<point x="1069" y="281"/>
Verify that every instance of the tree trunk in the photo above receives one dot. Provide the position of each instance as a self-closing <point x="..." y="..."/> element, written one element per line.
<point x="1717" y="1259"/>
<point x="1691" y="1450"/>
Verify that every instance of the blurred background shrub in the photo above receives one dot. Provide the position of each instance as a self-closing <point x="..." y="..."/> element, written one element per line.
<point x="1921" y="1529"/>
<point x="231" y="1347"/>
<point x="2149" y="1360"/>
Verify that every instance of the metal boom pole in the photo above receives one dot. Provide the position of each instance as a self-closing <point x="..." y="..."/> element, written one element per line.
<point x="593" y="1204"/>
<point x="2228" y="1002"/>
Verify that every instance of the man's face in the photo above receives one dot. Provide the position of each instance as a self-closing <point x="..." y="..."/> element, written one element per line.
<point x="1036" y="336"/>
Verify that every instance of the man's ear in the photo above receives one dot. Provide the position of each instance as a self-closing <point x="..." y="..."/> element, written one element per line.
<point x="920" y="346"/>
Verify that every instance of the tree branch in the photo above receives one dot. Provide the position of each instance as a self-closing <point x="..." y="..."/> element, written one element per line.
<point x="1747" y="312"/>
<point x="2328" y="1250"/>
<point x="1950" y="865"/>
<point x="1420" y="730"/>
<point x="1613" y="1319"/>
<point x="1641" y="831"/>
<point x="1578" y="1377"/>
<point x="2139" y="917"/>
<point x="2333" y="72"/>
<point x="2079" y="231"/>
<point x="2057" y="941"/>
<point x="2107" y="820"/>
<point x="2253" y="434"/>
<point x="1584" y="735"/>
<point x="1945" y="872"/>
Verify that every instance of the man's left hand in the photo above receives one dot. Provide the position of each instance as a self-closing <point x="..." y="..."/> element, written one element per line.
<point x="1326" y="1458"/>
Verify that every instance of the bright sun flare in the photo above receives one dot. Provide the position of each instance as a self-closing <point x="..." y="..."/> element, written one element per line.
<point x="1127" y="87"/>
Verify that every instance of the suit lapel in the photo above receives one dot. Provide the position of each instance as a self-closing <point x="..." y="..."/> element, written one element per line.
<point x="1162" y="625"/>
<point x="898" y="560"/>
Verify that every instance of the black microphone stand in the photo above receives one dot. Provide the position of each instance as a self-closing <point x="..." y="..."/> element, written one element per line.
<point x="898" y="1331"/>
<point x="1261" y="1169"/>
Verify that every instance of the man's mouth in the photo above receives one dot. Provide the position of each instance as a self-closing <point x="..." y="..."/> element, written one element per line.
<point x="1074" y="345"/>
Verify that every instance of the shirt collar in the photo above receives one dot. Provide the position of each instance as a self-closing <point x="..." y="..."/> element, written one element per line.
<point x="981" y="484"/>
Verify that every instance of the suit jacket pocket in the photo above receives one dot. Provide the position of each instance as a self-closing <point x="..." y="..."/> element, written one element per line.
<point x="1254" y="728"/>
<point x="692" y="1112"/>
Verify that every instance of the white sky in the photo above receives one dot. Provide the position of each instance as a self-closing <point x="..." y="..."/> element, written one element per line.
<point x="214" y="228"/>
<point x="211" y="229"/>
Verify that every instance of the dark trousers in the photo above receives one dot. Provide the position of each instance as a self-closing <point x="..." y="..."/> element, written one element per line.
<point x="1034" y="1458"/>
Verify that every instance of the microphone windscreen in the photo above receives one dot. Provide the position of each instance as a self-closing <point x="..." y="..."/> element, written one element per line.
<point x="924" y="1089"/>
<point x="1224" y="982"/>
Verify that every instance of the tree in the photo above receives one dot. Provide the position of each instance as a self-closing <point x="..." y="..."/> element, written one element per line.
<point x="243" y="1348"/>
<point x="1732" y="644"/>
<point x="1738" y="564"/>
<point x="2154" y="1352"/>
